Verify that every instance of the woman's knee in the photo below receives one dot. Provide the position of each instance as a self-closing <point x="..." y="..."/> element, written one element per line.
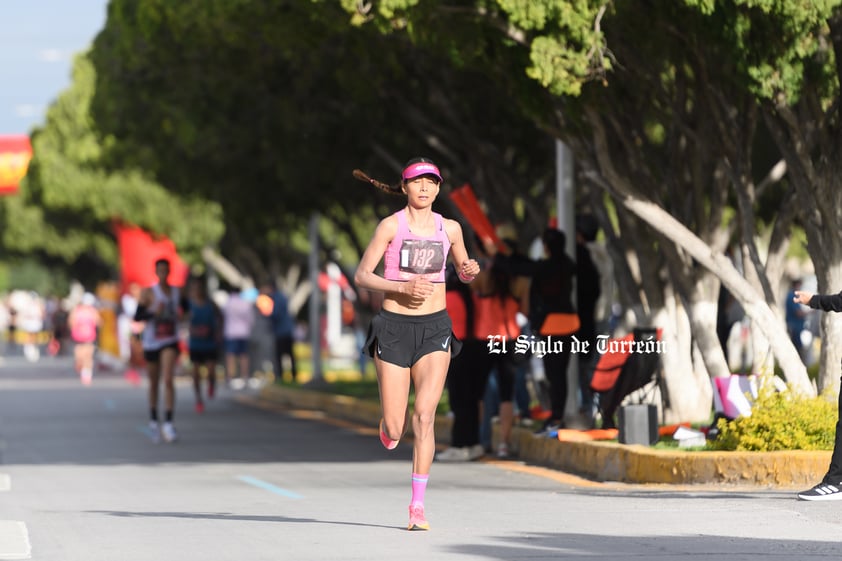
<point x="423" y="418"/>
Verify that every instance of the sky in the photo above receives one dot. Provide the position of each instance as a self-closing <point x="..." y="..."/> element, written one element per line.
<point x="38" y="39"/>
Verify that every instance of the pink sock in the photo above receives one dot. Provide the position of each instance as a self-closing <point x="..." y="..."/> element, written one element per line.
<point x="419" y="485"/>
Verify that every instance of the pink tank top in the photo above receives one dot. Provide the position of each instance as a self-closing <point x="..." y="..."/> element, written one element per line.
<point x="409" y="256"/>
<point x="83" y="329"/>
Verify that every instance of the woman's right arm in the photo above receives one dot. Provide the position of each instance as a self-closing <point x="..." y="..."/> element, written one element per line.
<point x="365" y="277"/>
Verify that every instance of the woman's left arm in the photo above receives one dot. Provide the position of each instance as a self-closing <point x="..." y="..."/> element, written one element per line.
<point x="466" y="267"/>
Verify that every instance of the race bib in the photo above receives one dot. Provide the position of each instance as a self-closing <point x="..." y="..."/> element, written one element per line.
<point x="164" y="328"/>
<point x="200" y="331"/>
<point x="421" y="257"/>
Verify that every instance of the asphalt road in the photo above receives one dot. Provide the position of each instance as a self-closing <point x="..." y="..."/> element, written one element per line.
<point x="81" y="480"/>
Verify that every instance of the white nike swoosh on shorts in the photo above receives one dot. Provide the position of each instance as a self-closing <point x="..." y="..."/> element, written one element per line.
<point x="446" y="341"/>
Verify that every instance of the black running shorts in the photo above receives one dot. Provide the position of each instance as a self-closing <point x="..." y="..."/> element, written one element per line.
<point x="154" y="355"/>
<point x="201" y="357"/>
<point x="403" y="339"/>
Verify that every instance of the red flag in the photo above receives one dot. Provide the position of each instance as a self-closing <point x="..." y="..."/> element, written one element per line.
<point x="138" y="253"/>
<point x="15" y="154"/>
<point x="467" y="203"/>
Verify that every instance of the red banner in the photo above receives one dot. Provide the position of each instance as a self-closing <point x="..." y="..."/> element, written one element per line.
<point x="138" y="253"/>
<point x="15" y="153"/>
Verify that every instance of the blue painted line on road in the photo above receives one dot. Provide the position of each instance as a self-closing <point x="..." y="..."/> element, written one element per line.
<point x="147" y="432"/>
<point x="269" y="487"/>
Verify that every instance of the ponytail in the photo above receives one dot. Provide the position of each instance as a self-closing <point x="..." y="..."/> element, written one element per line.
<point x="385" y="187"/>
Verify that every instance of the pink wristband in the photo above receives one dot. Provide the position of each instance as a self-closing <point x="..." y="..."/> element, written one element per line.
<point x="465" y="278"/>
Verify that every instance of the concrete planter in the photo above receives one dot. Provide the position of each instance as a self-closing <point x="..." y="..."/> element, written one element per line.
<point x="601" y="461"/>
<point x="610" y="461"/>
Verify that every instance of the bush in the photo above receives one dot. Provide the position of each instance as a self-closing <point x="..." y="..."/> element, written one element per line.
<point x="781" y="421"/>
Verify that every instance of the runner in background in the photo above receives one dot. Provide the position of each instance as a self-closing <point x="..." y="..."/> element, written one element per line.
<point x="205" y="337"/>
<point x="159" y="307"/>
<point x="84" y="321"/>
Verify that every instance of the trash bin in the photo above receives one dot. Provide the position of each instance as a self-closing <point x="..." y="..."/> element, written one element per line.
<point x="638" y="424"/>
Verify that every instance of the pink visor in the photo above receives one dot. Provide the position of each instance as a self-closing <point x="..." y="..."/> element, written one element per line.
<point x="421" y="168"/>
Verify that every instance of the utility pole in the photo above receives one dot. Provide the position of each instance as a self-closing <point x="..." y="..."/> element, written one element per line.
<point x="315" y="301"/>
<point x="566" y="220"/>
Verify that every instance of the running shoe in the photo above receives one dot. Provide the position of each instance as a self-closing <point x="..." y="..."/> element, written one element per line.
<point x="822" y="492"/>
<point x="168" y="432"/>
<point x="387" y="442"/>
<point x="200" y="407"/>
<point x="417" y="521"/>
<point x="154" y="431"/>
<point x="502" y="451"/>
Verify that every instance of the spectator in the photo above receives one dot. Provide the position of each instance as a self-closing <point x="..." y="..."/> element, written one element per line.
<point x="496" y="310"/>
<point x="465" y="382"/>
<point x="551" y="312"/>
<point x="796" y="317"/>
<point x="283" y="327"/>
<point x="830" y="487"/>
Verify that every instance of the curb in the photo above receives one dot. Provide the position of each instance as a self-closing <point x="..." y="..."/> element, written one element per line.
<point x="602" y="461"/>
<point x="610" y="461"/>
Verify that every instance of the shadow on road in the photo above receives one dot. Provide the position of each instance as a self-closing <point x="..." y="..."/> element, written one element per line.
<point x="227" y="516"/>
<point x="592" y="547"/>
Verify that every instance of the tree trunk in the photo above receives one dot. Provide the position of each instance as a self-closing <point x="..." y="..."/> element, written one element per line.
<point x="688" y="387"/>
<point x="753" y="303"/>
<point x="703" y="326"/>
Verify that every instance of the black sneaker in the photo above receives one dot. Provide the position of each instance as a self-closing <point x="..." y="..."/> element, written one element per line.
<point x="822" y="492"/>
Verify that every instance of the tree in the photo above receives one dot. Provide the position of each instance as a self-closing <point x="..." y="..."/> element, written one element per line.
<point x="68" y="202"/>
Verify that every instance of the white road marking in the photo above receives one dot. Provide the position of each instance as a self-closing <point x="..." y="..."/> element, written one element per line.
<point x="14" y="540"/>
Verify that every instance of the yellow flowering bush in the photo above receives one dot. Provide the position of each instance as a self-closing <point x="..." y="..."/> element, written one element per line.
<point x="781" y="421"/>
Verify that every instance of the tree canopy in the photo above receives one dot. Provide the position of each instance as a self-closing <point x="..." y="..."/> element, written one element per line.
<point x="267" y="107"/>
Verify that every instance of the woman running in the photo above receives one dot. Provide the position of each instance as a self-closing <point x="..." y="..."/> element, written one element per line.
<point x="84" y="323"/>
<point x="205" y="338"/>
<point x="411" y="338"/>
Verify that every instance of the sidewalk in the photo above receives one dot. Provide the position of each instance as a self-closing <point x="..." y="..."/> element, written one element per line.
<point x="601" y="461"/>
